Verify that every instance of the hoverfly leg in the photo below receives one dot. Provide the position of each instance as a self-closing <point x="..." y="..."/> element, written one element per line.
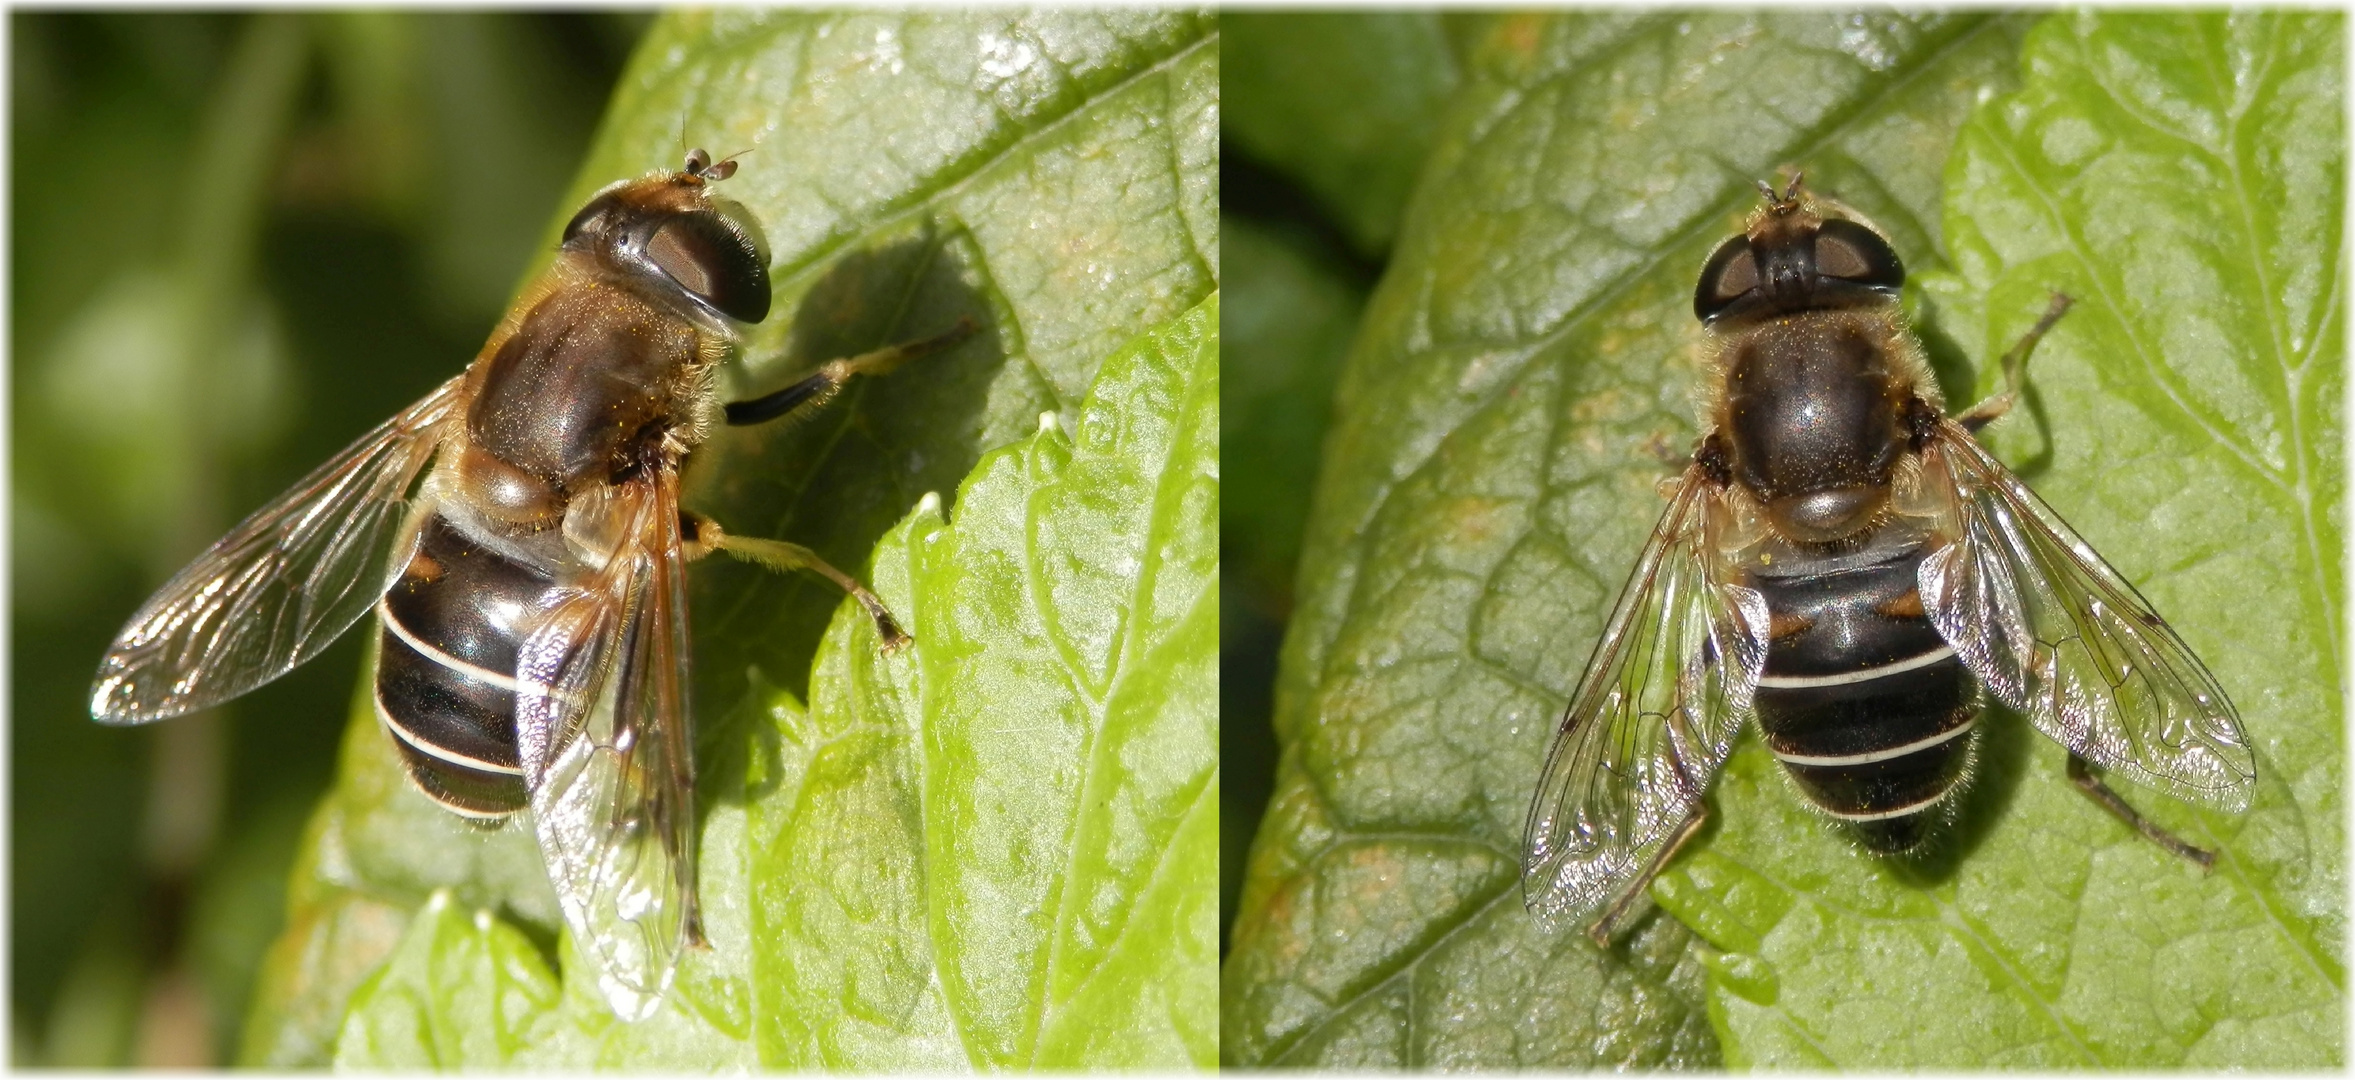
<point x="1607" y="927"/>
<point x="823" y="383"/>
<point x="2015" y="368"/>
<point x="703" y="536"/>
<point x="2081" y="774"/>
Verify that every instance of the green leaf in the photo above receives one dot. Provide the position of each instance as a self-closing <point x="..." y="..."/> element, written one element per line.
<point x="329" y="947"/>
<point x="2183" y="177"/>
<point x="1487" y="485"/>
<point x="1039" y="778"/>
<point x="1052" y="176"/>
<point x="460" y="989"/>
<point x="1344" y="103"/>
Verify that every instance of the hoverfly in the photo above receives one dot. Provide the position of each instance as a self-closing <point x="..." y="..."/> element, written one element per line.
<point x="519" y="534"/>
<point x="1842" y="561"/>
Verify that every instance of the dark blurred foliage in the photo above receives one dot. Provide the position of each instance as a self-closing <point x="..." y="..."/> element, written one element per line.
<point x="1326" y="119"/>
<point x="1290" y="303"/>
<point x="1343" y="104"/>
<point x="238" y="241"/>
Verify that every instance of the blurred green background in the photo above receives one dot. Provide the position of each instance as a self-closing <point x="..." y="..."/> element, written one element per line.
<point x="238" y="241"/>
<point x="1328" y="117"/>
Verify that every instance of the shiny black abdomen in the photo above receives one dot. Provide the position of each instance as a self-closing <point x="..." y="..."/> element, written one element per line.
<point x="1870" y="710"/>
<point x="572" y="394"/>
<point x="445" y="668"/>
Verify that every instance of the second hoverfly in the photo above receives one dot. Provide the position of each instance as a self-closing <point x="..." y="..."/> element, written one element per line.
<point x="1843" y="563"/>
<point x="519" y="531"/>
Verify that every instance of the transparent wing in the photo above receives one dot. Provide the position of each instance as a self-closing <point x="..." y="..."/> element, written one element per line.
<point x="1667" y="690"/>
<point x="284" y="584"/>
<point x="608" y="759"/>
<point x="2055" y="633"/>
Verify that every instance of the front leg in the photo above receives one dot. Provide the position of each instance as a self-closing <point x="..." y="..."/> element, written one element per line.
<point x="814" y="389"/>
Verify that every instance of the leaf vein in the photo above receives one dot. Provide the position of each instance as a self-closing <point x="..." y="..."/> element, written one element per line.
<point x="2160" y="375"/>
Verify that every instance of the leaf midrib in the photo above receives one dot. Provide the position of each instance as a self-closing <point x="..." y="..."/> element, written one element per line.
<point x="1172" y="476"/>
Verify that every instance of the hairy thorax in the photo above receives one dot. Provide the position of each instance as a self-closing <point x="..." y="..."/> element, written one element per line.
<point x="585" y="390"/>
<point x="1814" y="418"/>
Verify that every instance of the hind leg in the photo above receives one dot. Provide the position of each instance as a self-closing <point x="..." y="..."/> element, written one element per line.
<point x="2081" y="774"/>
<point x="705" y="536"/>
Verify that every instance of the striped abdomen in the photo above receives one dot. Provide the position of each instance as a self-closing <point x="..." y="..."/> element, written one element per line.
<point x="445" y="669"/>
<point x="1870" y="710"/>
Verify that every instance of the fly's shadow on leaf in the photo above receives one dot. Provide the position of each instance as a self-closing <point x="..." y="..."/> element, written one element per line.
<point x="836" y="476"/>
<point x="1956" y="371"/>
<point x="739" y="756"/>
<point x="1999" y="759"/>
<point x="1951" y="363"/>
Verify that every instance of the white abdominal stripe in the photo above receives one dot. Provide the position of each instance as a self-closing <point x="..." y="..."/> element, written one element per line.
<point x="1863" y="758"/>
<point x="1884" y="815"/>
<point x="429" y="651"/>
<point x="429" y="749"/>
<point x="509" y="683"/>
<point x="1850" y="678"/>
<point x="1869" y="757"/>
<point x="520" y="689"/>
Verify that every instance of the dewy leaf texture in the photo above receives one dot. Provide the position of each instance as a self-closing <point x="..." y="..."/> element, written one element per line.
<point x="1053" y="177"/>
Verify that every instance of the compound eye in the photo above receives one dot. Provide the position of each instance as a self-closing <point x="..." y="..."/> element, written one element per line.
<point x="590" y="217"/>
<point x="1851" y="252"/>
<point x="697" y="161"/>
<point x="718" y="265"/>
<point x="1729" y="275"/>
